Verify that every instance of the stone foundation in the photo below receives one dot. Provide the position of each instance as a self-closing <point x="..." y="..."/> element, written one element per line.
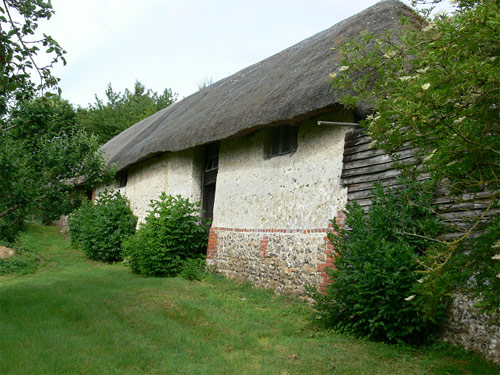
<point x="471" y="330"/>
<point x="284" y="260"/>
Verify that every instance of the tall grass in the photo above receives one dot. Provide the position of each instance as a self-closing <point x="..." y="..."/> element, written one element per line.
<point x="76" y="316"/>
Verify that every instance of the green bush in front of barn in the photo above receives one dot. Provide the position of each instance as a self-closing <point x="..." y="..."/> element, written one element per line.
<point x="100" y="228"/>
<point x="173" y="233"/>
<point x="375" y="288"/>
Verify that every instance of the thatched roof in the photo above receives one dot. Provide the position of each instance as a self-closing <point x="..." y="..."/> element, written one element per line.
<point x="282" y="88"/>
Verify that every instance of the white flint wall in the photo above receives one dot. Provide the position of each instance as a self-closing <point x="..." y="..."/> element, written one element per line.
<point x="296" y="190"/>
<point x="271" y="215"/>
<point x="173" y="173"/>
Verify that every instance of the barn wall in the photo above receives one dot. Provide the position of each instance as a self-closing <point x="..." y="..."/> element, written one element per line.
<point x="145" y="182"/>
<point x="271" y="215"/>
<point x="184" y="174"/>
<point x="296" y="190"/>
<point x="472" y="330"/>
<point x="364" y="166"/>
<point x="173" y="173"/>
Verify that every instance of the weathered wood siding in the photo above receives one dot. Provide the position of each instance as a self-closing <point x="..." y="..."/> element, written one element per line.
<point x="363" y="166"/>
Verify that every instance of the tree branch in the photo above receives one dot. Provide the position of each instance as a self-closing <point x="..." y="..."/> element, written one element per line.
<point x="9" y="210"/>
<point x="16" y="31"/>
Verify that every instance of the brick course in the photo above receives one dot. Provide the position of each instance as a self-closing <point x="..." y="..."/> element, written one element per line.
<point x="284" y="259"/>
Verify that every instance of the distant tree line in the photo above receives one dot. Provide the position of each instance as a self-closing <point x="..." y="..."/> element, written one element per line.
<point x="109" y="117"/>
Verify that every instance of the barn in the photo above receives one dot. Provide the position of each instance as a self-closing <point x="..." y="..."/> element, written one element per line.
<point x="273" y="156"/>
<point x="249" y="147"/>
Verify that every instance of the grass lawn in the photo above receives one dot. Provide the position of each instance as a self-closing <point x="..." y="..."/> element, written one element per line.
<point x="75" y="316"/>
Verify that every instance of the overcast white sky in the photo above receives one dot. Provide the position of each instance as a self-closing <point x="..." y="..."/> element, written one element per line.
<point x="177" y="43"/>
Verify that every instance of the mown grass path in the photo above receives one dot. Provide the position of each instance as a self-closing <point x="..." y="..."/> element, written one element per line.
<point x="75" y="316"/>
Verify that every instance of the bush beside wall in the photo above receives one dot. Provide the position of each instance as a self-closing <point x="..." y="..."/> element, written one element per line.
<point x="99" y="229"/>
<point x="374" y="284"/>
<point x="172" y="233"/>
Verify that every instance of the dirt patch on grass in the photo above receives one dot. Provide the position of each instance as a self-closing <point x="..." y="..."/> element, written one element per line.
<point x="6" y="252"/>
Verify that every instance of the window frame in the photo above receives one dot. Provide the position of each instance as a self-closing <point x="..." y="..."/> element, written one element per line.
<point x="212" y="163"/>
<point x="283" y="140"/>
<point x="122" y="179"/>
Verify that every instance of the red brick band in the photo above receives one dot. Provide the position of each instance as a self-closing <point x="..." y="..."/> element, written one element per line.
<point x="329" y="252"/>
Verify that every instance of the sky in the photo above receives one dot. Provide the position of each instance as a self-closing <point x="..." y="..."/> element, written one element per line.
<point x="177" y="44"/>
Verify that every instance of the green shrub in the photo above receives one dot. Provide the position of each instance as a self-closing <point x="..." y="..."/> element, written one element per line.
<point x="373" y="286"/>
<point x="79" y="223"/>
<point x="193" y="269"/>
<point x="22" y="262"/>
<point x="99" y="229"/>
<point x="172" y="232"/>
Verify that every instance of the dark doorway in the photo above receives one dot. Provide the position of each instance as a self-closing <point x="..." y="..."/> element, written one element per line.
<point x="209" y="200"/>
<point x="211" y="167"/>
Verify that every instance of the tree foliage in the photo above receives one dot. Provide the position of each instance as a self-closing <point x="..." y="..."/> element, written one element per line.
<point x="122" y="110"/>
<point x="44" y="117"/>
<point x="19" y="46"/>
<point x="437" y="89"/>
<point x="44" y="161"/>
<point x="44" y="158"/>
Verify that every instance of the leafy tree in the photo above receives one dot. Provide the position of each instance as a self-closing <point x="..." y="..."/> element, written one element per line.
<point x="31" y="124"/>
<point x="121" y="111"/>
<point x="42" y="173"/>
<point x="43" y="157"/>
<point x="19" y="46"/>
<point x="437" y="89"/>
<point x="46" y="116"/>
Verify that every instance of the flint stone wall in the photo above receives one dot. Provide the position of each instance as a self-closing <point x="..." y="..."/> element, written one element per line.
<point x="283" y="260"/>
<point x="256" y="195"/>
<point x="472" y="330"/>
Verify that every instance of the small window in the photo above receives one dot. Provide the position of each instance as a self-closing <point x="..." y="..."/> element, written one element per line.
<point x="283" y="140"/>
<point x="212" y="163"/>
<point x="122" y="178"/>
<point x="212" y="157"/>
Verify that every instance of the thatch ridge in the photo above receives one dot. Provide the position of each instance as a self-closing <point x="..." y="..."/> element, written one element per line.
<point x="283" y="87"/>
